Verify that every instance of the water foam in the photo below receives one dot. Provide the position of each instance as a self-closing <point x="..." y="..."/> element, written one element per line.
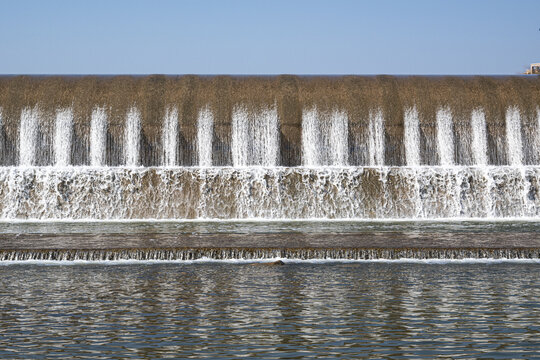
<point x="132" y="137"/>
<point x="28" y="133"/>
<point x="269" y="261"/>
<point x="62" y="137"/>
<point x="170" y="137"/>
<point x="205" y="131"/>
<point x="412" y="137"/>
<point x="98" y="136"/>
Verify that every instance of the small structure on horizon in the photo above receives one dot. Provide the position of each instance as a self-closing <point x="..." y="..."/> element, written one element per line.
<point x="533" y="69"/>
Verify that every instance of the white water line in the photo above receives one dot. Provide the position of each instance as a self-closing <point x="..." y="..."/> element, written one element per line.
<point x="310" y="137"/>
<point x="266" y="137"/>
<point x="170" y="137"/>
<point x="513" y="136"/>
<point x="445" y="136"/>
<point x="324" y="138"/>
<point x="339" y="138"/>
<point x="205" y="132"/>
<point x="479" y="137"/>
<point x="240" y="140"/>
<point x="132" y="137"/>
<point x="28" y="133"/>
<point x="98" y="137"/>
<point x="376" y="138"/>
<point x="536" y="141"/>
<point x="411" y="137"/>
<point x="204" y="260"/>
<point x="62" y="137"/>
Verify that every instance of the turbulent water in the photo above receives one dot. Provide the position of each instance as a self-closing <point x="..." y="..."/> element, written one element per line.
<point x="280" y="147"/>
<point x="376" y="310"/>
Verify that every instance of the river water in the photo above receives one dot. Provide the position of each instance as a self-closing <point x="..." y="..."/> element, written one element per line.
<point x="482" y="309"/>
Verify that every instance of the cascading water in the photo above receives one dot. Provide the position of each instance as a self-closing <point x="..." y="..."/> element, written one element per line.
<point x="376" y="138"/>
<point x="62" y="137"/>
<point x="445" y="136"/>
<point x="170" y="137"/>
<point x="28" y="136"/>
<point x="338" y="140"/>
<point x="479" y="137"/>
<point x="98" y="136"/>
<point x="314" y="151"/>
<point x="513" y="136"/>
<point x="132" y="133"/>
<point x="205" y="127"/>
<point x="412" y="137"/>
<point x="310" y="137"/>
<point x="254" y="137"/>
<point x="324" y="138"/>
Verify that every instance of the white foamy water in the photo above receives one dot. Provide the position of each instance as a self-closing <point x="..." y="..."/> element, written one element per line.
<point x="255" y="140"/>
<point x="479" y="137"/>
<point x="445" y="136"/>
<point x="240" y="136"/>
<point x="98" y="136"/>
<point x="28" y="133"/>
<point x="376" y="138"/>
<point x="268" y="154"/>
<point x="310" y="137"/>
<point x="270" y="261"/>
<point x="339" y="138"/>
<point x="170" y="137"/>
<point x="324" y="138"/>
<point x="536" y="141"/>
<point x="268" y="193"/>
<point x="205" y="133"/>
<point x="62" y="137"/>
<point x="412" y="137"/>
<point x="132" y="137"/>
<point x="513" y="136"/>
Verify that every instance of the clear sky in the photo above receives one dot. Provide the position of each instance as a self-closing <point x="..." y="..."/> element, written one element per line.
<point x="268" y="36"/>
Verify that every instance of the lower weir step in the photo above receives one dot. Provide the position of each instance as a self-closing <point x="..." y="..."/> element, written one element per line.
<point x="188" y="254"/>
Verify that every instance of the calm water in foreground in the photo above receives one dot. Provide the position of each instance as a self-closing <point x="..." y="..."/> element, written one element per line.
<point x="302" y="310"/>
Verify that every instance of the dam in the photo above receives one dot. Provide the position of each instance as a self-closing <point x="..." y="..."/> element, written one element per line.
<point x="269" y="147"/>
<point x="259" y="167"/>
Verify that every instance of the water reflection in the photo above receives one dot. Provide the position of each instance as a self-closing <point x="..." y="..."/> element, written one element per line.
<point x="310" y="310"/>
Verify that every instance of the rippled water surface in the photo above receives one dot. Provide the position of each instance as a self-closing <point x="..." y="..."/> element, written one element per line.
<point x="225" y="310"/>
<point x="266" y="227"/>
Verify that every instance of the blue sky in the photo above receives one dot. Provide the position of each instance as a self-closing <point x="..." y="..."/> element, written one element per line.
<point x="268" y="37"/>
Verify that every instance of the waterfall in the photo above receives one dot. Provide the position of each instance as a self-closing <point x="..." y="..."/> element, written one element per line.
<point x="132" y="137"/>
<point x="170" y="137"/>
<point x="98" y="136"/>
<point x="268" y="193"/>
<point x="28" y="133"/>
<point x="255" y="140"/>
<point x="205" y="133"/>
<point x="62" y="137"/>
<point x="269" y="148"/>
<point x="479" y="137"/>
<point x="412" y="137"/>
<point x="267" y="137"/>
<point x="240" y="136"/>
<point x="536" y="142"/>
<point x="376" y="138"/>
<point x="338" y="140"/>
<point x="310" y="138"/>
<point x="324" y="138"/>
<point x="513" y="136"/>
<point x="445" y="136"/>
